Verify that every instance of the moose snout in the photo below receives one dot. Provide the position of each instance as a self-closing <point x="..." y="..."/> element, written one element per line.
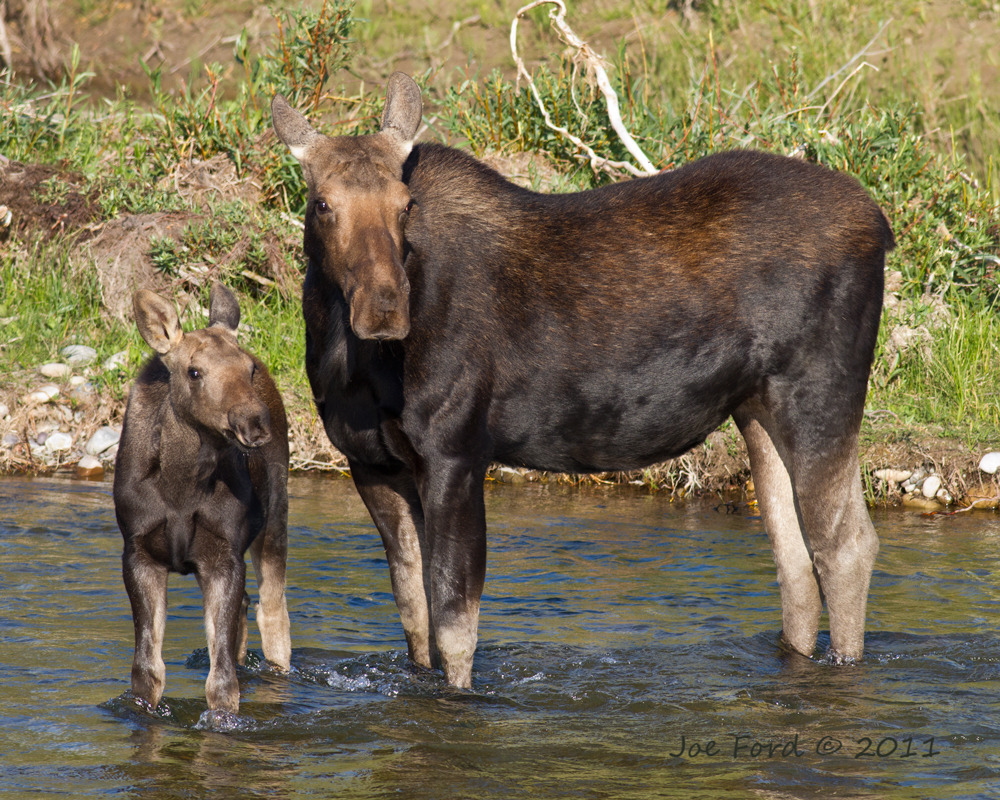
<point x="251" y="427"/>
<point x="381" y="312"/>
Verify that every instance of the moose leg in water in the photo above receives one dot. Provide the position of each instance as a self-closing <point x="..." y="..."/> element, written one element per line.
<point x="201" y="474"/>
<point x="454" y="319"/>
<point x="392" y="500"/>
<point x="146" y="586"/>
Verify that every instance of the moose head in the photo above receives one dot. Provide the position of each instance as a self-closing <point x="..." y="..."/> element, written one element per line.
<point x="358" y="206"/>
<point x="211" y="377"/>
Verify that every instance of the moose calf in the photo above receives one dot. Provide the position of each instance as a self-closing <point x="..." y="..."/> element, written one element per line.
<point x="201" y="476"/>
<point x="454" y="319"/>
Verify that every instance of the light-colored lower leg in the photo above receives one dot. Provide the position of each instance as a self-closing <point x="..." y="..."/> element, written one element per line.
<point x="801" y="600"/>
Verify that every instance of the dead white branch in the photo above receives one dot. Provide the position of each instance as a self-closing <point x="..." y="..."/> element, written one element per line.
<point x="566" y="34"/>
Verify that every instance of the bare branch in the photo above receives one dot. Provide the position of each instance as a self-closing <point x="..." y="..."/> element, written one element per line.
<point x="594" y="62"/>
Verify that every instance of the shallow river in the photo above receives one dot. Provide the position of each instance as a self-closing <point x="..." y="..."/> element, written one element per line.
<point x="627" y="650"/>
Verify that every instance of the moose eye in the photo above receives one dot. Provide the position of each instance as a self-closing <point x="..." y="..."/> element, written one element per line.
<point x="322" y="207"/>
<point x="406" y="211"/>
<point x="194" y="374"/>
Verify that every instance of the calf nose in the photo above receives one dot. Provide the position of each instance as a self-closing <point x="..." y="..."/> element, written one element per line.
<point x="251" y="429"/>
<point x="387" y="299"/>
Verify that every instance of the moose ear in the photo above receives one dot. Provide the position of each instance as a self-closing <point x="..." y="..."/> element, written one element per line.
<point x="401" y="116"/>
<point x="223" y="308"/>
<point x="292" y="128"/>
<point x="156" y="318"/>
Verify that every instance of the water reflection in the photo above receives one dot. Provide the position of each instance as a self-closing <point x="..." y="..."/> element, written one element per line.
<point x="628" y="649"/>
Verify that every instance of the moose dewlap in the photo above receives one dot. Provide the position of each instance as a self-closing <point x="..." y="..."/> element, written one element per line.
<point x="454" y="319"/>
<point x="201" y="476"/>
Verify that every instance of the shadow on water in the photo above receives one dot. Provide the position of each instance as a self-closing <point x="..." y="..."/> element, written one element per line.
<point x="628" y="649"/>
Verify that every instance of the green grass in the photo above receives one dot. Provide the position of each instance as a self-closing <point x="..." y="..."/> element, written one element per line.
<point x="761" y="75"/>
<point x="956" y="388"/>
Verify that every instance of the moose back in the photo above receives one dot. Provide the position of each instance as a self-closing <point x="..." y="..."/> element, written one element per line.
<point x="454" y="319"/>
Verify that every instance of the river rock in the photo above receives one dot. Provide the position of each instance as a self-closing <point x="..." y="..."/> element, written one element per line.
<point x="977" y="499"/>
<point x="58" y="442"/>
<point x="11" y="439"/>
<point x="990" y="463"/>
<point x="79" y="355"/>
<point x="117" y="361"/>
<point x="89" y="467"/>
<point x="43" y="394"/>
<point x="929" y="488"/>
<point x="55" y="369"/>
<point x="893" y="475"/>
<point x="4" y="410"/>
<point x="920" y="502"/>
<point x="102" y="439"/>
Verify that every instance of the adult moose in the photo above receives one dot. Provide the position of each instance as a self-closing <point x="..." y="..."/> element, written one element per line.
<point x="201" y="475"/>
<point x="454" y="319"/>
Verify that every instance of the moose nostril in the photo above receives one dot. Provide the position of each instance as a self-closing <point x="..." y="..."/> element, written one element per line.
<point x="386" y="298"/>
<point x="251" y="430"/>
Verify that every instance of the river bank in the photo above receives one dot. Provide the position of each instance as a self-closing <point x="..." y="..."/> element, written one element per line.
<point x="57" y="420"/>
<point x="173" y="179"/>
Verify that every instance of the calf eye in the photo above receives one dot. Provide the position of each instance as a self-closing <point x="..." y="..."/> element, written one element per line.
<point x="406" y="212"/>
<point x="322" y="207"/>
<point x="194" y="374"/>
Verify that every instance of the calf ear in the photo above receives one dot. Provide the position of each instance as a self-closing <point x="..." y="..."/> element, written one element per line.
<point x="401" y="116"/>
<point x="223" y="308"/>
<point x="292" y="128"/>
<point x="156" y="318"/>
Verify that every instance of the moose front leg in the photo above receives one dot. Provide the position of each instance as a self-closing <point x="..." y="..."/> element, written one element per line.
<point x="392" y="500"/>
<point x="223" y="588"/>
<point x="146" y="584"/>
<point x="456" y="532"/>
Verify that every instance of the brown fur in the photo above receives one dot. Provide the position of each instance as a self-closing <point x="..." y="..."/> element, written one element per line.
<point x="593" y="331"/>
<point x="201" y="477"/>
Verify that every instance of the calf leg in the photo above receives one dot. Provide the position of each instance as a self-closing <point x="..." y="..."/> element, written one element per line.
<point x="801" y="601"/>
<point x="241" y="631"/>
<point x="269" y="554"/>
<point x="146" y="584"/>
<point x="223" y="587"/>
<point x="392" y="500"/>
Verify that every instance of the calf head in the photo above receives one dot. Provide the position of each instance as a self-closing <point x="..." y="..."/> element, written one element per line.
<point x="211" y="377"/>
<point x="358" y="206"/>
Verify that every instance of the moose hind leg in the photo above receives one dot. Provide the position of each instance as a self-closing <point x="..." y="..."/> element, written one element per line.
<point x="269" y="553"/>
<point x="844" y="546"/>
<point x="801" y="599"/>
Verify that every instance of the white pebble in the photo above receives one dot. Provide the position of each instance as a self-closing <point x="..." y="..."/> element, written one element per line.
<point x="79" y="355"/>
<point x="929" y="488"/>
<point x="55" y="369"/>
<point x="893" y="475"/>
<point x="990" y="463"/>
<point x="4" y="410"/>
<point x="43" y="395"/>
<point x="89" y="466"/>
<point x="117" y="361"/>
<point x="77" y="380"/>
<point x="944" y="497"/>
<point x="58" y="442"/>
<point x="102" y="439"/>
